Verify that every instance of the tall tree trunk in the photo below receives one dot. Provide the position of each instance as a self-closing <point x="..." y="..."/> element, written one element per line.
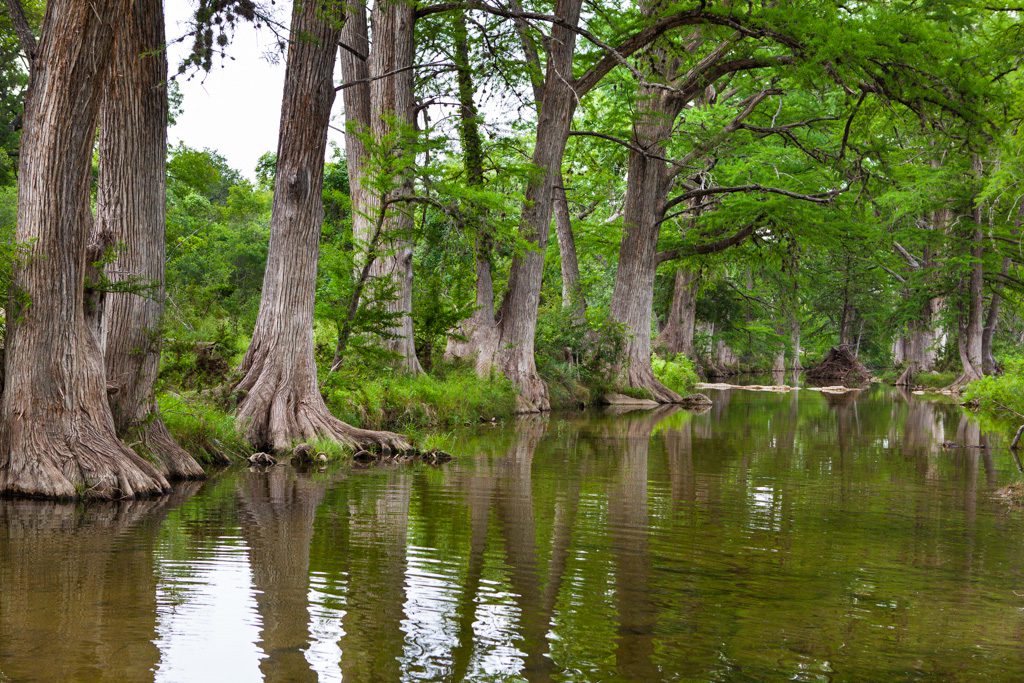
<point x="130" y="212"/>
<point x="57" y="434"/>
<point x="392" y="102"/>
<point x="779" y="362"/>
<point x="794" y="341"/>
<point x="572" y="290"/>
<point x="646" y="187"/>
<point x="918" y="348"/>
<point x="846" y="316"/>
<point x="988" y="360"/>
<point x="481" y="324"/>
<point x="280" y="402"/>
<point x="972" y="325"/>
<point x="511" y="349"/>
<point x="677" y="335"/>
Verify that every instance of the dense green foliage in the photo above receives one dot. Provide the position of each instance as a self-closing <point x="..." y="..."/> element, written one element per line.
<point x="1001" y="396"/>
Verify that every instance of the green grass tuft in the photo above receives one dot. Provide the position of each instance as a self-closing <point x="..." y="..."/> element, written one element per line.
<point x="205" y="431"/>
<point x="1001" y="396"/>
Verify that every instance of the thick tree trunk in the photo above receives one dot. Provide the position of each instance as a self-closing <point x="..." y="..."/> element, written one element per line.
<point x="572" y="290"/>
<point x="646" y="187"/>
<point x="677" y="335"/>
<point x="918" y="348"/>
<point x="972" y="324"/>
<point x="846" y="316"/>
<point x="130" y="210"/>
<point x="280" y="402"/>
<point x="794" y="342"/>
<point x="511" y="349"/>
<point x="779" y="362"/>
<point x="57" y="435"/>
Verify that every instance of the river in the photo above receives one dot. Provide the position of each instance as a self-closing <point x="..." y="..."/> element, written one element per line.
<point x="792" y="536"/>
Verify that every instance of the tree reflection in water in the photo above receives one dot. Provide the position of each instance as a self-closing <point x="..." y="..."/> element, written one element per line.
<point x="776" y="535"/>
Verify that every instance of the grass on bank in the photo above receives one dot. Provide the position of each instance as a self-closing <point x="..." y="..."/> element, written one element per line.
<point x="205" y="430"/>
<point x="1001" y="396"/>
<point x="421" y="406"/>
<point x="925" y="380"/>
<point x="448" y="397"/>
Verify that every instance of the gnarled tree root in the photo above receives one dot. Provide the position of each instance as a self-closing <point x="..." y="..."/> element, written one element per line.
<point x="277" y="420"/>
<point x="640" y="376"/>
<point x="87" y="464"/>
<point x="962" y="381"/>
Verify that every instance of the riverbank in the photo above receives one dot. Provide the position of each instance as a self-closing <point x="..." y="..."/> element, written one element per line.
<point x="422" y="406"/>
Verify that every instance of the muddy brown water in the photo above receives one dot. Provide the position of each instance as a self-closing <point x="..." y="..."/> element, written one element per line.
<point x="778" y="536"/>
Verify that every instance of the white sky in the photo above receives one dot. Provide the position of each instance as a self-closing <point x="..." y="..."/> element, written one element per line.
<point x="235" y="110"/>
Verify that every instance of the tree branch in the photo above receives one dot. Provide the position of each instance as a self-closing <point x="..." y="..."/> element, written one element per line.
<point x="820" y="198"/>
<point x="21" y="27"/>
<point x="709" y="247"/>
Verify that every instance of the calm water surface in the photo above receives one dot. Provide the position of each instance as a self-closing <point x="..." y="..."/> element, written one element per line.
<point x="795" y="536"/>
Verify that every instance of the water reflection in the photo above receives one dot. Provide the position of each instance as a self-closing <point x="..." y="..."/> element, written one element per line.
<point x="777" y="535"/>
<point x="79" y="589"/>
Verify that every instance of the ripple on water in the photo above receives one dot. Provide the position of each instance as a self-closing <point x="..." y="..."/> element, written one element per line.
<point x="208" y="624"/>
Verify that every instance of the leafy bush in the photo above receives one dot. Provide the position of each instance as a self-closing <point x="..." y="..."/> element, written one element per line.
<point x="676" y="372"/>
<point x="578" y="358"/>
<point x="1002" y="395"/>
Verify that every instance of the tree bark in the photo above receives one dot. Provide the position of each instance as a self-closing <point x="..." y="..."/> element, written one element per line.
<point x="374" y="106"/>
<point x="988" y="360"/>
<point x="794" y="342"/>
<point x="57" y="435"/>
<point x="511" y="347"/>
<point x="677" y="335"/>
<point x="572" y="290"/>
<point x="280" y="402"/>
<point x="972" y="324"/>
<point x="130" y="213"/>
<point x="647" y="184"/>
<point x="918" y="348"/>
<point x="779" y="363"/>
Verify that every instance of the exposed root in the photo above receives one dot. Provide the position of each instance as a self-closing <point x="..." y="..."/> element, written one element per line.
<point x="88" y="464"/>
<point x="962" y="381"/>
<point x="639" y="375"/>
<point x="276" y="415"/>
